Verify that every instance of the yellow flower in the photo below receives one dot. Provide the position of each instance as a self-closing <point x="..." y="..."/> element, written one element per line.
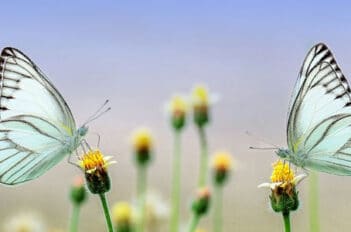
<point x="201" y="101"/>
<point x="284" y="196"/>
<point x="282" y="175"/>
<point x="200" y="96"/>
<point x="142" y="145"/>
<point x="94" y="165"/>
<point x="222" y="161"/>
<point x="142" y="139"/>
<point x="93" y="160"/>
<point x="178" y="105"/>
<point x="25" y="222"/>
<point x="122" y="213"/>
<point x="282" y="172"/>
<point x="178" y="109"/>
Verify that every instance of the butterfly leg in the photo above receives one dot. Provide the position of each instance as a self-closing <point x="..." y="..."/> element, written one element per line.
<point x="69" y="160"/>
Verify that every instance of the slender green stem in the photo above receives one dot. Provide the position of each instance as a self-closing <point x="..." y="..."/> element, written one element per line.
<point x="141" y="195"/>
<point x="217" y="211"/>
<point x="203" y="158"/>
<point x="193" y="223"/>
<point x="174" y="224"/>
<point x="106" y="212"/>
<point x="313" y="202"/>
<point x="74" y="218"/>
<point x="286" y="217"/>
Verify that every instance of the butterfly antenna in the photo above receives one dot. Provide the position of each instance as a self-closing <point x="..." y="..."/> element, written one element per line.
<point x="262" y="141"/>
<point x="98" y="112"/>
<point x="99" y="109"/>
<point x="97" y="115"/>
<point x="263" y="148"/>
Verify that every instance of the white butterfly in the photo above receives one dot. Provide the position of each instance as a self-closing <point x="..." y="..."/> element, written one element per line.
<point x="37" y="128"/>
<point x="319" y="124"/>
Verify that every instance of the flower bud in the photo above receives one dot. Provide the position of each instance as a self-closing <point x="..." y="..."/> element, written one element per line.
<point x="142" y="145"/>
<point x="200" y="105"/>
<point x="78" y="194"/>
<point x="178" y="111"/>
<point x="222" y="163"/>
<point x="202" y="202"/>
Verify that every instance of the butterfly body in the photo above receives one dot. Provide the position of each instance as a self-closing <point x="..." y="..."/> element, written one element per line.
<point x="319" y="117"/>
<point x="37" y="128"/>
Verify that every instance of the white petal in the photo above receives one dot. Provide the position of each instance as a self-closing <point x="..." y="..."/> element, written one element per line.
<point x="299" y="178"/>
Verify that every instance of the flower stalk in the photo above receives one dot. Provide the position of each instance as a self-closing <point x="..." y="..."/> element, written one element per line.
<point x="77" y="196"/>
<point x="313" y="202"/>
<point x="286" y="218"/>
<point x="174" y="223"/>
<point x="141" y="197"/>
<point x="217" y="209"/>
<point x="106" y="211"/>
<point x="194" y="222"/>
<point x="202" y="181"/>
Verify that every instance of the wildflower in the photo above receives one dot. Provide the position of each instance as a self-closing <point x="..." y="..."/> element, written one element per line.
<point x="77" y="193"/>
<point x="201" y="103"/>
<point x="178" y="109"/>
<point x="94" y="165"/>
<point x="222" y="163"/>
<point x="284" y="196"/>
<point x="122" y="214"/>
<point x="156" y="210"/>
<point x="25" y="222"/>
<point x="202" y="201"/>
<point x="142" y="145"/>
<point x="199" y="208"/>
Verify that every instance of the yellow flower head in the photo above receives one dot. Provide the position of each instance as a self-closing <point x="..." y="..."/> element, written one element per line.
<point x="94" y="160"/>
<point x="94" y="165"/>
<point x="282" y="172"/>
<point x="178" y="105"/>
<point x="142" y="139"/>
<point x="200" y="96"/>
<point x="122" y="213"/>
<point x="222" y="161"/>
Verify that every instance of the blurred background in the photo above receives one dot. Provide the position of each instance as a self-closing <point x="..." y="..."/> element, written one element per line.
<point x="138" y="54"/>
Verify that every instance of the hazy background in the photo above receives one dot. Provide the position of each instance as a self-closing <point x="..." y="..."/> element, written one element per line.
<point x="138" y="53"/>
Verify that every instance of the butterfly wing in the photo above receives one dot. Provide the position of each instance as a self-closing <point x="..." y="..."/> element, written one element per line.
<point x="35" y="122"/>
<point x="319" y="124"/>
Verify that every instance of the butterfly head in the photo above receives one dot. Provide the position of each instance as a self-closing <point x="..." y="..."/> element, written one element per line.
<point x="82" y="131"/>
<point x="283" y="153"/>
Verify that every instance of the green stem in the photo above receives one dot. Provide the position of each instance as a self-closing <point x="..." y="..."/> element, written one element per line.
<point x="217" y="211"/>
<point x="203" y="158"/>
<point x="174" y="224"/>
<point x="193" y="223"/>
<point x="141" y="195"/>
<point x="313" y="202"/>
<point x="286" y="217"/>
<point x="74" y="218"/>
<point x="106" y="212"/>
